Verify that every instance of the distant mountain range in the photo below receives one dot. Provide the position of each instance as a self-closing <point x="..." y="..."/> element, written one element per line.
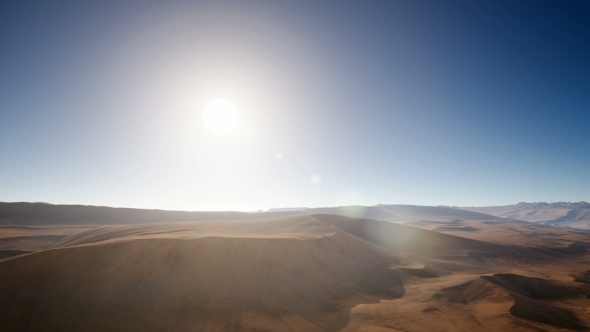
<point x="34" y="214"/>
<point x="29" y="214"/>
<point x="564" y="214"/>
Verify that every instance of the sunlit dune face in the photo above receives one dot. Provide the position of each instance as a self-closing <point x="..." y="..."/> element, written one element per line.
<point x="221" y="117"/>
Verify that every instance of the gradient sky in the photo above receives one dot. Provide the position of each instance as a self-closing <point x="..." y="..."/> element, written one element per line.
<point x="411" y="102"/>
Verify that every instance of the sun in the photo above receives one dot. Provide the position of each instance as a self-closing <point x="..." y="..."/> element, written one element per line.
<point x="221" y="117"/>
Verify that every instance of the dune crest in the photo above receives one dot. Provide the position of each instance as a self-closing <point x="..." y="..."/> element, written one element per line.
<point x="207" y="282"/>
<point x="295" y="273"/>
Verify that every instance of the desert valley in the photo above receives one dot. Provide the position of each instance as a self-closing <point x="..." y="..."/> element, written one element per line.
<point x="379" y="268"/>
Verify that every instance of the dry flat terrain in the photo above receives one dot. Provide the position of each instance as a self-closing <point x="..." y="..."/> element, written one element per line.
<point x="434" y="269"/>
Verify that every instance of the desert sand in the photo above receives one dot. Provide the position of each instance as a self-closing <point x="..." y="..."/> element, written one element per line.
<point x="433" y="269"/>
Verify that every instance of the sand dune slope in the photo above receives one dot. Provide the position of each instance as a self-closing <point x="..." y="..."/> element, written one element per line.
<point x="240" y="281"/>
<point x="402" y="237"/>
<point x="296" y="273"/>
<point x="536" y="299"/>
<point x="396" y="212"/>
<point x="285" y="227"/>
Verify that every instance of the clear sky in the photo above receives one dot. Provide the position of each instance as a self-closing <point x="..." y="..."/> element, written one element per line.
<point x="357" y="102"/>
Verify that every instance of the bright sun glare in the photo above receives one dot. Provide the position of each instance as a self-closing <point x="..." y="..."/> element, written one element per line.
<point x="221" y="117"/>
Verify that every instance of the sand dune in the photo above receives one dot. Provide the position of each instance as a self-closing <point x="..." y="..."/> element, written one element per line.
<point x="306" y="272"/>
<point x="276" y="274"/>
<point x="396" y="212"/>
<point x="284" y="227"/>
<point x="33" y="238"/>
<point x="469" y="292"/>
<point x="525" y="307"/>
<point x="538" y="288"/>
<point x="583" y="277"/>
<point x="531" y="296"/>
<point x="402" y="237"/>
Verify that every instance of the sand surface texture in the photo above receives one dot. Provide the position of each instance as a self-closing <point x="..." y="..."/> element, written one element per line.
<point x="318" y="272"/>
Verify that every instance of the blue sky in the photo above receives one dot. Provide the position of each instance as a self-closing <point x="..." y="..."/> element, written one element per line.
<point x="411" y="102"/>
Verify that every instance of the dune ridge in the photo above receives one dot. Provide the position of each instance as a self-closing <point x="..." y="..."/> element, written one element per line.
<point x="305" y="272"/>
<point x="533" y="297"/>
<point x="206" y="282"/>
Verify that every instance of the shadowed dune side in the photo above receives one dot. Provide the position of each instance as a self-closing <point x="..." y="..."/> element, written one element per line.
<point x="583" y="277"/>
<point x="487" y="288"/>
<point x="471" y="291"/>
<point x="34" y="238"/>
<point x="212" y="283"/>
<point x="468" y="224"/>
<point x="11" y="253"/>
<point x="390" y="212"/>
<point x="537" y="288"/>
<point x="404" y="238"/>
<point x="415" y="211"/>
<point x="531" y="296"/>
<point x="30" y="243"/>
<point x="546" y="313"/>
